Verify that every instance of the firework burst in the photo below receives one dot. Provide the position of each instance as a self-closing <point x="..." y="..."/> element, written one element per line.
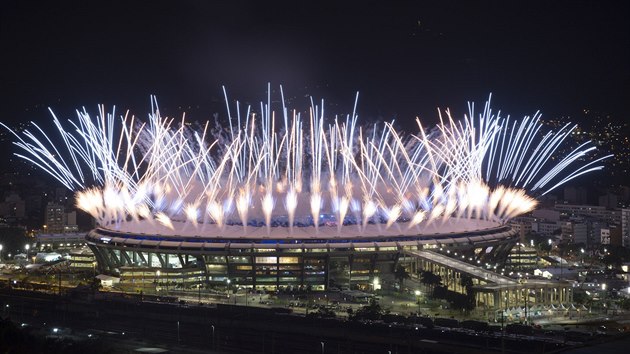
<point x="284" y="171"/>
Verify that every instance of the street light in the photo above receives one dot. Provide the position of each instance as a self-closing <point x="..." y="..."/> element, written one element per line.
<point x="376" y="284"/>
<point x="604" y="294"/>
<point x="212" y="336"/>
<point x="0" y="252"/>
<point x="199" y="291"/>
<point x="227" y="290"/>
<point x="26" y="247"/>
<point x="417" y="292"/>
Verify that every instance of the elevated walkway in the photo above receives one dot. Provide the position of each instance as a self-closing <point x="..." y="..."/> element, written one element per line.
<point x="492" y="290"/>
<point x="462" y="267"/>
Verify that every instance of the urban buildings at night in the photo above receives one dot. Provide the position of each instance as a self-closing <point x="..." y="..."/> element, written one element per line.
<point x="293" y="189"/>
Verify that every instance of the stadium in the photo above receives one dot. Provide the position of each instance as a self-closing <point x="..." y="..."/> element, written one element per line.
<point x="283" y="201"/>
<point x="310" y="261"/>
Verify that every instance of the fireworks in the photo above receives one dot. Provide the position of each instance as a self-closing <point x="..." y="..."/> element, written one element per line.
<point x="285" y="171"/>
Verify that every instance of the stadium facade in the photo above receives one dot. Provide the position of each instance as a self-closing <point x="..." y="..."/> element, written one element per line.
<point x="317" y="261"/>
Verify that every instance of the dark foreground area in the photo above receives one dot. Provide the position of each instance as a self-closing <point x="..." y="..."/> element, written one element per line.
<point x="81" y="322"/>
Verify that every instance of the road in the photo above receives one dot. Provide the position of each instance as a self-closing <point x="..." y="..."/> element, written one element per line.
<point x="129" y="322"/>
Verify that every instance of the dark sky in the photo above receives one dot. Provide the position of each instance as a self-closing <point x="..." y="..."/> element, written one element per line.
<point x="556" y="56"/>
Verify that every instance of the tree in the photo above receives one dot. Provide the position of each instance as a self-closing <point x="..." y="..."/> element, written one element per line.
<point x="400" y="273"/>
<point x="616" y="256"/>
<point x="624" y="304"/>
<point x="545" y="246"/>
<point x="430" y="280"/>
<point x="468" y="302"/>
<point x="371" y="311"/>
<point x="466" y="282"/>
<point x="325" y="312"/>
<point x="580" y="297"/>
<point x="460" y="301"/>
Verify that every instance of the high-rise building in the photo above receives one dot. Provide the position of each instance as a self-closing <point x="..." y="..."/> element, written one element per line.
<point x="545" y="228"/>
<point x="595" y="211"/>
<point x="575" y="195"/>
<point x="70" y="222"/>
<point x="625" y="227"/>
<point x="13" y="207"/>
<point x="54" y="218"/>
<point x="580" y="232"/>
<point x="608" y="200"/>
<point x="605" y="236"/>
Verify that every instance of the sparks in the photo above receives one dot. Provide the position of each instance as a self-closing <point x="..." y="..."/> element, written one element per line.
<point x="163" y="174"/>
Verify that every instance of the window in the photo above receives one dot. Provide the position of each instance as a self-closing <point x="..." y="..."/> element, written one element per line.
<point x="267" y="260"/>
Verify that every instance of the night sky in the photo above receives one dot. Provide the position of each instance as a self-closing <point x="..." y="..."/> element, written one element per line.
<point x="405" y="60"/>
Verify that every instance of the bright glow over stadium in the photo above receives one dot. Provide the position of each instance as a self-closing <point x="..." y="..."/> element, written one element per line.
<point x="282" y="174"/>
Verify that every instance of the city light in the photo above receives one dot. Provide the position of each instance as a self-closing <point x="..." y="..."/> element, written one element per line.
<point x="376" y="284"/>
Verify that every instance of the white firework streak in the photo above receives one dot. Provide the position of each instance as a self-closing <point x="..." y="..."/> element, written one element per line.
<point x="162" y="173"/>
